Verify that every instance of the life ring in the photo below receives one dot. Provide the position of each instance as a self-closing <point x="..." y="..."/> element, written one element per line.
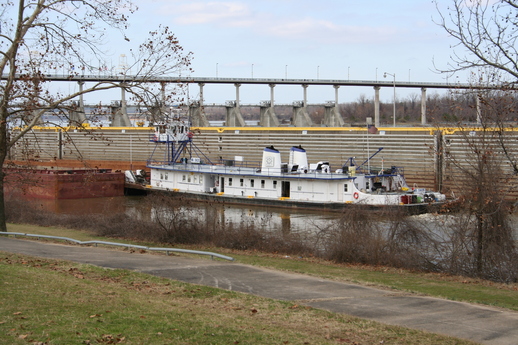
<point x="356" y="195"/>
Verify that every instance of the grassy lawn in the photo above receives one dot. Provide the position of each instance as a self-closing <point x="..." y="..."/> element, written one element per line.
<point x="437" y="285"/>
<point x="57" y="302"/>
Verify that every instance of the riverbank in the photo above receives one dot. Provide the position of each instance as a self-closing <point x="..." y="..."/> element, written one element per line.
<point x="124" y="307"/>
<point x="455" y="288"/>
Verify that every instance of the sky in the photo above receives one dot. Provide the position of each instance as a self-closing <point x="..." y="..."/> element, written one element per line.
<point x="301" y="39"/>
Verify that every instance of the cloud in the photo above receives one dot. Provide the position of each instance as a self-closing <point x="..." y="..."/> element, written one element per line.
<point x="287" y="24"/>
<point x="327" y="32"/>
<point x="229" y="13"/>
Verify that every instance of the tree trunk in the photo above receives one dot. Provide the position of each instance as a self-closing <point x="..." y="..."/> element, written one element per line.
<point x="3" y="226"/>
<point x="479" y="255"/>
<point x="3" y="155"/>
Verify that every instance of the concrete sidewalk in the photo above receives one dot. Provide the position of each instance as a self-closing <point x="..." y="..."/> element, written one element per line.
<point x="478" y="323"/>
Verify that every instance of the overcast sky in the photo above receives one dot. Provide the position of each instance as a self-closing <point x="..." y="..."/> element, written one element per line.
<point x="326" y="39"/>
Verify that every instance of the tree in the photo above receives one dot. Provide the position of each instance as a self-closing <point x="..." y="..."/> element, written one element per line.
<point x="486" y="33"/>
<point x="40" y="36"/>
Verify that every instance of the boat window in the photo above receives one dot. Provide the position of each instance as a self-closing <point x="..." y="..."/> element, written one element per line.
<point x="262" y="183"/>
<point x="161" y="176"/>
<point x="183" y="178"/>
<point x="241" y="182"/>
<point x="230" y="181"/>
<point x="201" y="179"/>
<point x="346" y="188"/>
<point x="252" y="183"/>
<point x="195" y="179"/>
<point x="274" y="184"/>
<point x="166" y="175"/>
<point x="368" y="185"/>
<point x="299" y="187"/>
<point x="189" y="179"/>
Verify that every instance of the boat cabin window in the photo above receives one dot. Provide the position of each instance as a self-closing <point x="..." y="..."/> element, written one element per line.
<point x="183" y="178"/>
<point x="262" y="183"/>
<point x="252" y="183"/>
<point x="189" y="179"/>
<point x="161" y="176"/>
<point x="368" y="185"/>
<point x="161" y="129"/>
<point x="346" y="189"/>
<point x="230" y="181"/>
<point x="274" y="184"/>
<point x="241" y="182"/>
<point x="166" y="175"/>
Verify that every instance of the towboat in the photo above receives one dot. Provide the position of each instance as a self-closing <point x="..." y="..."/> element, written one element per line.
<point x="185" y="169"/>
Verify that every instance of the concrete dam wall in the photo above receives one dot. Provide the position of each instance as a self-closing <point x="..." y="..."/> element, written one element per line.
<point x="426" y="154"/>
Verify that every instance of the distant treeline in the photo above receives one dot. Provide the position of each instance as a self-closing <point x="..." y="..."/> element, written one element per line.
<point x="451" y="108"/>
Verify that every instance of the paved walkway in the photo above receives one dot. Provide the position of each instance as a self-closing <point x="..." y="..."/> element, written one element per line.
<point x="478" y="323"/>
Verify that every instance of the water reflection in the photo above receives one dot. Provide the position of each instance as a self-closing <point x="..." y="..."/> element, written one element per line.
<point x="268" y="218"/>
<point x="93" y="206"/>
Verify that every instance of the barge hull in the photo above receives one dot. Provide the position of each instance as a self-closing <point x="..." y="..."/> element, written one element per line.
<point x="407" y="209"/>
<point x="63" y="184"/>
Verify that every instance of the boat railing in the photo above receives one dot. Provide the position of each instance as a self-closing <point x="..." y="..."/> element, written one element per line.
<point x="237" y="163"/>
<point x="246" y="169"/>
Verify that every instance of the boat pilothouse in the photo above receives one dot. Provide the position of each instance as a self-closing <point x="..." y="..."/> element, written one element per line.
<point x="186" y="169"/>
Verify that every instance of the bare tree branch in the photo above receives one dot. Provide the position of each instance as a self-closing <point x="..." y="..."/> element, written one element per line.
<point x="486" y="35"/>
<point x="37" y="36"/>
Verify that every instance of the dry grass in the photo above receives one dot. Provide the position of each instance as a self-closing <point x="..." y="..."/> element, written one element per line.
<point x="57" y="302"/>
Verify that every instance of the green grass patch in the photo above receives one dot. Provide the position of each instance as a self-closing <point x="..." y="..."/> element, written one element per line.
<point x="437" y="285"/>
<point x="57" y="302"/>
<point x="431" y="284"/>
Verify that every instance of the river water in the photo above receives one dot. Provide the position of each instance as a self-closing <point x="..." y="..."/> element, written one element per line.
<point x="269" y="218"/>
<point x="266" y="218"/>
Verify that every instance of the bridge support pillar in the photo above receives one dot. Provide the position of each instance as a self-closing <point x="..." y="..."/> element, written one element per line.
<point x="268" y="117"/>
<point x="376" y="106"/>
<point x="197" y="116"/>
<point x="77" y="114"/>
<point x="332" y="117"/>
<point x="158" y="110"/>
<point x="301" y="117"/>
<point x="197" y="111"/>
<point x="234" y="117"/>
<point x="423" y="106"/>
<point x="119" y="112"/>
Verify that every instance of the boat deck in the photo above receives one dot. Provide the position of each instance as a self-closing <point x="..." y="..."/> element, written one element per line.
<point x="249" y="171"/>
